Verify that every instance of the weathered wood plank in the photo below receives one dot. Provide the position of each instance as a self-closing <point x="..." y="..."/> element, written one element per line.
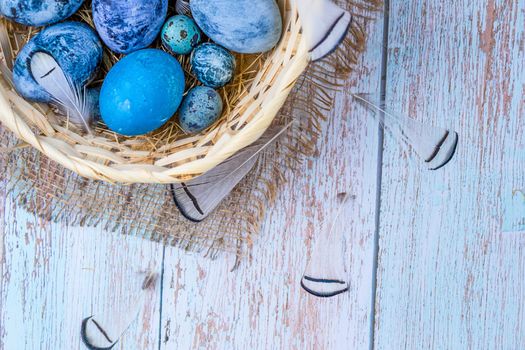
<point x="452" y="258"/>
<point x="54" y="276"/>
<point x="261" y="305"/>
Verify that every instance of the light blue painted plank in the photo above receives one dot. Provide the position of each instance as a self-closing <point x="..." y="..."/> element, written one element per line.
<point x="261" y="304"/>
<point x="452" y="252"/>
<point x="54" y="276"/>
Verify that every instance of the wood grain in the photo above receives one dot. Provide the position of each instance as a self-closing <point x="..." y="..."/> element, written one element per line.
<point x="451" y="243"/>
<point x="54" y="276"/>
<point x="261" y="305"/>
<point x="449" y="277"/>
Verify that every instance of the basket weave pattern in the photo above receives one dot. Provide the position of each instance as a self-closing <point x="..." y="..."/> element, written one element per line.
<point x="111" y="158"/>
<point x="45" y="187"/>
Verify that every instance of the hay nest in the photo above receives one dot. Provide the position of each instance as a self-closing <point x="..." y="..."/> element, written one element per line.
<point x="40" y="148"/>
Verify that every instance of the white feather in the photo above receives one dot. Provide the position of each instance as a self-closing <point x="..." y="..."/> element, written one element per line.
<point x="198" y="198"/>
<point x="434" y="145"/>
<point x="324" y="26"/>
<point x="325" y="274"/>
<point x="182" y="7"/>
<point x="105" y="330"/>
<point x="68" y="96"/>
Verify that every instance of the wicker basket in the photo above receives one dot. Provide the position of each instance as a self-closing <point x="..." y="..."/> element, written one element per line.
<point x="107" y="157"/>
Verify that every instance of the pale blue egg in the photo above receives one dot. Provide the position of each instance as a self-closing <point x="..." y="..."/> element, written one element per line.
<point x="38" y="13"/>
<point x="214" y="66"/>
<point x="244" y="26"/>
<point x="141" y="92"/>
<point x="201" y="107"/>
<point x="75" y="47"/>
<point x="129" y="25"/>
<point x="181" y="35"/>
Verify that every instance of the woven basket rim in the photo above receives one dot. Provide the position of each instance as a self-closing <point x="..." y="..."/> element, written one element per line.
<point x="82" y="154"/>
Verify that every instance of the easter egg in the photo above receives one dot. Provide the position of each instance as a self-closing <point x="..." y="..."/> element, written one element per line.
<point x="93" y="102"/>
<point x="129" y="25"/>
<point x="200" y="108"/>
<point x="214" y="66"/>
<point x="38" y="13"/>
<point x="181" y="35"/>
<point x="141" y="92"/>
<point x="244" y="26"/>
<point x="74" y="46"/>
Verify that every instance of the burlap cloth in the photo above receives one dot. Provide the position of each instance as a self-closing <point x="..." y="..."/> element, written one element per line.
<point x="56" y="194"/>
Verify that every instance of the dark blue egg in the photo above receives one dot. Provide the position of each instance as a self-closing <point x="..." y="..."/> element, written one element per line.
<point x="181" y="35"/>
<point x="75" y="47"/>
<point x="214" y="66"/>
<point x="38" y="13"/>
<point x="142" y="92"/>
<point x="201" y="107"/>
<point x="93" y="101"/>
<point x="129" y="25"/>
<point x="244" y="26"/>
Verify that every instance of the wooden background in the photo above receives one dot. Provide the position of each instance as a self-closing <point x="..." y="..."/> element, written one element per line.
<point x="435" y="260"/>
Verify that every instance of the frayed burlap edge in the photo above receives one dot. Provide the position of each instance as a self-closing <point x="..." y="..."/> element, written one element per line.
<point x="56" y="194"/>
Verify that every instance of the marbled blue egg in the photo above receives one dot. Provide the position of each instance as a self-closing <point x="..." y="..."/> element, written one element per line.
<point x="201" y="107"/>
<point x="93" y="101"/>
<point x="142" y="92"/>
<point x="244" y="26"/>
<point x="181" y="35"/>
<point x="38" y="13"/>
<point x="213" y="65"/>
<point x="75" y="47"/>
<point x="129" y="25"/>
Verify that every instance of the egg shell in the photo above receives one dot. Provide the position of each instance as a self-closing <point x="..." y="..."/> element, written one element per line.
<point x="129" y="25"/>
<point x="213" y="65"/>
<point x="141" y="92"/>
<point x="93" y="101"/>
<point x="75" y="47"/>
<point x="244" y="26"/>
<point x="181" y="35"/>
<point x="39" y="13"/>
<point x="201" y="107"/>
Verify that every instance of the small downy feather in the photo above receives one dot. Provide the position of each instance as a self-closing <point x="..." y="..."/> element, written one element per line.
<point x="6" y="64"/>
<point x="325" y="274"/>
<point x="324" y="24"/>
<point x="68" y="96"/>
<point x="435" y="146"/>
<point x="182" y="7"/>
<point x="104" y="331"/>
<point x="198" y="198"/>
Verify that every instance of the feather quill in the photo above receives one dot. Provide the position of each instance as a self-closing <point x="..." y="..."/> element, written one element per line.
<point x="68" y="96"/>
<point x="434" y="145"/>
<point x="198" y="198"/>
<point x="6" y="62"/>
<point x="324" y="24"/>
<point x="5" y="45"/>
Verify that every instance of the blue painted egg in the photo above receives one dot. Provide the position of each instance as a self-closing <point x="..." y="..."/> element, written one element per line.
<point x="201" y="107"/>
<point x="38" y="13"/>
<point x="129" y="25"/>
<point x="93" y="101"/>
<point x="75" y="47"/>
<point x="244" y="26"/>
<point x="142" y="92"/>
<point x="214" y="66"/>
<point x="181" y="35"/>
